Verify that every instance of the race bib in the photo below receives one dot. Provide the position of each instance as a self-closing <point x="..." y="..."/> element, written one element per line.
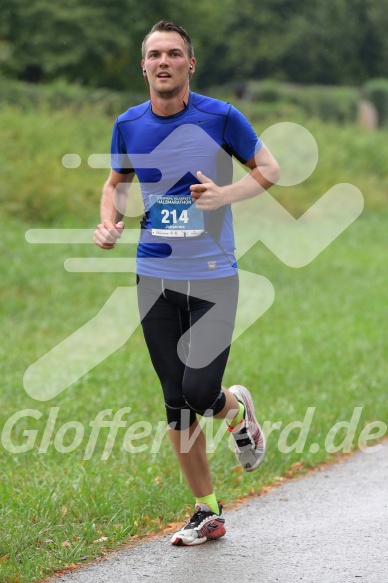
<point x="175" y="216"/>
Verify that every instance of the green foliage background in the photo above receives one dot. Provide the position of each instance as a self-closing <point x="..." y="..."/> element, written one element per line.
<point x="98" y="43"/>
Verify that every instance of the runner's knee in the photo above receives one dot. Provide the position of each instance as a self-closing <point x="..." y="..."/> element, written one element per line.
<point x="203" y="394"/>
<point x="180" y="419"/>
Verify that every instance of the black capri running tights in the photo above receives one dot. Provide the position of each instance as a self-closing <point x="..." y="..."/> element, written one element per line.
<point x="188" y="327"/>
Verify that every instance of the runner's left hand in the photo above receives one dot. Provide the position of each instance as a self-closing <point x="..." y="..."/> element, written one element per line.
<point x="207" y="195"/>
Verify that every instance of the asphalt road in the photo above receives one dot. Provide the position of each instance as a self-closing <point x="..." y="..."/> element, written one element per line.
<point x="328" y="527"/>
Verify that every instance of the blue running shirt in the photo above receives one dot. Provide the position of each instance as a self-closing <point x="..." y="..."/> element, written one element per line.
<point x="177" y="241"/>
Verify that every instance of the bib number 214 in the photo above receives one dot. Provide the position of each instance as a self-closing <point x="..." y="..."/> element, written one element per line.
<point x="175" y="216"/>
<point x="169" y="217"/>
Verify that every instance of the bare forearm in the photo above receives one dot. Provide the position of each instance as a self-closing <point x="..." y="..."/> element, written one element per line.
<point x="254" y="183"/>
<point x="264" y="172"/>
<point x="112" y="210"/>
<point x="108" y="210"/>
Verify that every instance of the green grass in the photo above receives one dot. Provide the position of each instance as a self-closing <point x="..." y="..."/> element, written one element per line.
<point x="320" y="345"/>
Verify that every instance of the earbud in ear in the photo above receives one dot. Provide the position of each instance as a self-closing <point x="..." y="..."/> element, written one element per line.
<point x="191" y="66"/>
<point x="144" y="71"/>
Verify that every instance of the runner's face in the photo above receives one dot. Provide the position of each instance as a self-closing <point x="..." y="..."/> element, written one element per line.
<point x="167" y="63"/>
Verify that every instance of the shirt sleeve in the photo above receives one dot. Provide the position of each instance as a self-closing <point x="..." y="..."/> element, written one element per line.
<point x="119" y="159"/>
<point x="240" y="136"/>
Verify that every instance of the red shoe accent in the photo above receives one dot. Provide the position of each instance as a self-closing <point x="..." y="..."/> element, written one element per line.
<point x="221" y="530"/>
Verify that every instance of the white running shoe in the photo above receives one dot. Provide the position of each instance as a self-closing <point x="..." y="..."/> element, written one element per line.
<point x="248" y="436"/>
<point x="203" y="525"/>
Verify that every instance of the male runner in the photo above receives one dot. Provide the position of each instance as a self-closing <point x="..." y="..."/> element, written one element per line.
<point x="179" y="144"/>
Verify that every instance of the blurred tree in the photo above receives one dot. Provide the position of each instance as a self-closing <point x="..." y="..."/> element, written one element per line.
<point x="97" y="43"/>
<point x="332" y="43"/>
<point x="308" y="41"/>
<point x="79" y="40"/>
